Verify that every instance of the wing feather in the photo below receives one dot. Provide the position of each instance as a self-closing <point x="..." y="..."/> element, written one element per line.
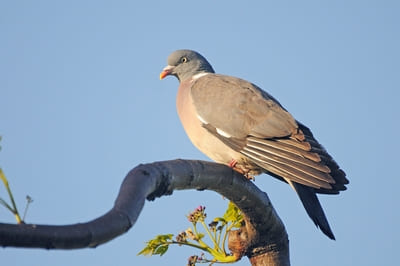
<point x="240" y="108"/>
<point x="256" y="125"/>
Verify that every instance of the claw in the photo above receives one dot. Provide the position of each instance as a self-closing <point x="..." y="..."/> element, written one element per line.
<point x="232" y="163"/>
<point x="241" y="169"/>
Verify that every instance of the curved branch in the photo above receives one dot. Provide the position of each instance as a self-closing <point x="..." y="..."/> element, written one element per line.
<point x="263" y="233"/>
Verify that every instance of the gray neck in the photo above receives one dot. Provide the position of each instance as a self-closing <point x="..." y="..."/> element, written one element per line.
<point x="198" y="68"/>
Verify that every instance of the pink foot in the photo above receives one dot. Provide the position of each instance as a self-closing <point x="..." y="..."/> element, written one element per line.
<point x="232" y="163"/>
<point x="238" y="168"/>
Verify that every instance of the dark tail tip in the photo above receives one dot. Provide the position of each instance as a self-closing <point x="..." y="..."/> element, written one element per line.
<point x="327" y="231"/>
<point x="313" y="208"/>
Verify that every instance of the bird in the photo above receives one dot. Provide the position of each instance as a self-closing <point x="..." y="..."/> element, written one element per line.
<point x="236" y="123"/>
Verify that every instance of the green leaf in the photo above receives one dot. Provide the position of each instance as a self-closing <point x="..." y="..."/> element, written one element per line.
<point x="161" y="250"/>
<point x="221" y="220"/>
<point x="193" y="238"/>
<point x="233" y="214"/>
<point x="164" y="238"/>
<point x="146" y="251"/>
<point x="157" y="245"/>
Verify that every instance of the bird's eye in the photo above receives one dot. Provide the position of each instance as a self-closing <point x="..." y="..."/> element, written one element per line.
<point x="184" y="59"/>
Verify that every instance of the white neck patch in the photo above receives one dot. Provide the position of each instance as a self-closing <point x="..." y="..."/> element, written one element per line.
<point x="199" y="75"/>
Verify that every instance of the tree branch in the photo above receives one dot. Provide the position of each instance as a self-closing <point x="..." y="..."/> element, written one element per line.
<point x="263" y="238"/>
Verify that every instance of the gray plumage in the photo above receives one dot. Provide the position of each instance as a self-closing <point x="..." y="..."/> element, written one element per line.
<point x="235" y="122"/>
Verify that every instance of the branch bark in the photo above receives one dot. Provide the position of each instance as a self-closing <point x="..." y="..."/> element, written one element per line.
<point x="263" y="238"/>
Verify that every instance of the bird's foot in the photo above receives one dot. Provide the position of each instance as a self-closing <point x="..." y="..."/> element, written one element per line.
<point x="232" y="163"/>
<point x="249" y="175"/>
<point x="241" y="169"/>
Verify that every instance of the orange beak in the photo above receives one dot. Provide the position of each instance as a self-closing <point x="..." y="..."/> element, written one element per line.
<point x="166" y="71"/>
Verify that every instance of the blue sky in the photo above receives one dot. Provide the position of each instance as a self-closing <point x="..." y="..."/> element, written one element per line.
<point x="81" y="104"/>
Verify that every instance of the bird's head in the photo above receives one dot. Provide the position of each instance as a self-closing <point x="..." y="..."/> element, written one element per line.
<point x="184" y="64"/>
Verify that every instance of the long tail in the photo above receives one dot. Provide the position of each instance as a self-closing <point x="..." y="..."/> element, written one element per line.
<point x="304" y="164"/>
<point x="311" y="203"/>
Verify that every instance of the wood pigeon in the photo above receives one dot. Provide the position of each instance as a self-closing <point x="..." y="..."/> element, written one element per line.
<point x="234" y="122"/>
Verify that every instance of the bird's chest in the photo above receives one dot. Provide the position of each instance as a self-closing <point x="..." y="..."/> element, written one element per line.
<point x="199" y="136"/>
